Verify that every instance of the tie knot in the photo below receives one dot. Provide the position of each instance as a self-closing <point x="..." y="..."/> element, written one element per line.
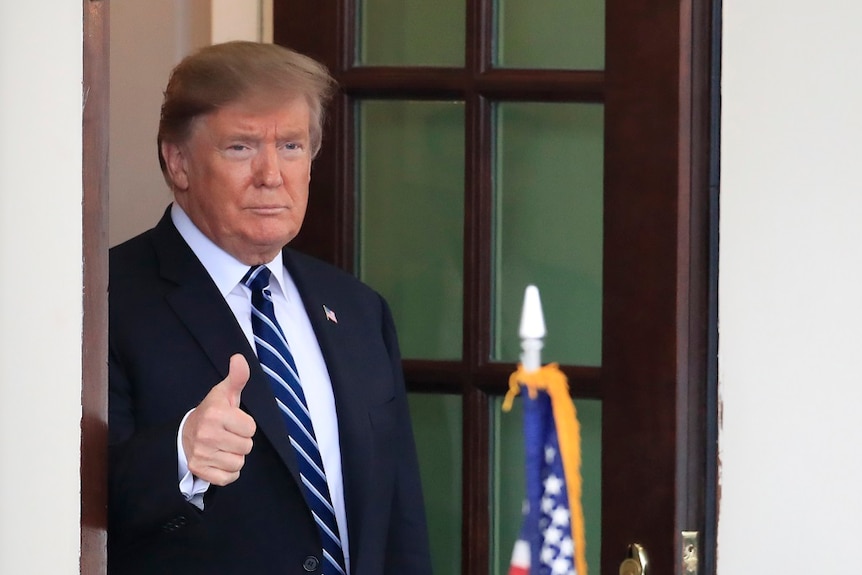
<point x="256" y="278"/>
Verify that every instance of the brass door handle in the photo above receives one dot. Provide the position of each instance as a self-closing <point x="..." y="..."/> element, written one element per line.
<point x="635" y="562"/>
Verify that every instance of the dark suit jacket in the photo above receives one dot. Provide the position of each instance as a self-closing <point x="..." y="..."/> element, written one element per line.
<point x="171" y="335"/>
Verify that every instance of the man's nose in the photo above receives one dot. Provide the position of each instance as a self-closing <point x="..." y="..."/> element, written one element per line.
<point x="267" y="170"/>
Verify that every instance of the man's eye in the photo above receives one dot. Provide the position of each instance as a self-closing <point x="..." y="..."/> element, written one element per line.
<point x="237" y="147"/>
<point x="292" y="146"/>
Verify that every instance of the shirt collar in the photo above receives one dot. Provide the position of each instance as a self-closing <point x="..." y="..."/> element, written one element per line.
<point x="225" y="270"/>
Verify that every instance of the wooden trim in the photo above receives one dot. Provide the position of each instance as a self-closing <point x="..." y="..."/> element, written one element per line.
<point x="695" y="258"/>
<point x="477" y="231"/>
<point x="94" y="386"/>
<point x="313" y="29"/>
<point x="657" y="233"/>
<point x="497" y="83"/>
<point x="542" y="85"/>
<point x="476" y="521"/>
<point x="641" y="239"/>
<point x="416" y="82"/>
<point x="711" y="489"/>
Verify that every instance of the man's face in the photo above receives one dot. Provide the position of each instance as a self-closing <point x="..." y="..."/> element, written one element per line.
<point x="243" y="175"/>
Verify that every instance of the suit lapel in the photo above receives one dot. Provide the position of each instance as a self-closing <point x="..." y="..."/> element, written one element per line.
<point x="199" y="305"/>
<point x="342" y="352"/>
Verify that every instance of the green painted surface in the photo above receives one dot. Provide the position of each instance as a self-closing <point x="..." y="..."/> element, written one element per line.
<point x="411" y="219"/>
<point x="548" y="227"/>
<point x="561" y="34"/>
<point x="437" y="426"/>
<point x="411" y="32"/>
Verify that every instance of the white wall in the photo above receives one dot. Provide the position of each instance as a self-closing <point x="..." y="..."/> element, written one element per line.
<point x="147" y="40"/>
<point x="40" y="286"/>
<point x="790" y="276"/>
<point x="241" y="20"/>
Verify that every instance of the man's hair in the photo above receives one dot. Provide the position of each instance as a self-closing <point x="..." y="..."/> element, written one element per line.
<point x="223" y="74"/>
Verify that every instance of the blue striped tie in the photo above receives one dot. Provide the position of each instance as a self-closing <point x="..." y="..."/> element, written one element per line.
<point x="277" y="362"/>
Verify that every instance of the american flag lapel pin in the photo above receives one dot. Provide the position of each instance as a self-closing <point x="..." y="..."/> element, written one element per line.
<point x="330" y="315"/>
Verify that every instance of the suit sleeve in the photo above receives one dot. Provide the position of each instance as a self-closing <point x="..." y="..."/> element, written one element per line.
<point x="144" y="496"/>
<point x="407" y="548"/>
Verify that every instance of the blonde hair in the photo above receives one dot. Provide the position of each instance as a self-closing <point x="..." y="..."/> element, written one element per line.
<point x="222" y="74"/>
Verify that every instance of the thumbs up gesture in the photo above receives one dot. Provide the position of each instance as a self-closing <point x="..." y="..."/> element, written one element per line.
<point x="217" y="434"/>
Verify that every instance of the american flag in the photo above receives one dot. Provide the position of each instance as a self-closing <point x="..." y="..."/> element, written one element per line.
<point x="551" y="541"/>
<point x="330" y="315"/>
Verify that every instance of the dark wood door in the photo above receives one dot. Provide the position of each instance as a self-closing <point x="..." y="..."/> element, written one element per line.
<point x="651" y="380"/>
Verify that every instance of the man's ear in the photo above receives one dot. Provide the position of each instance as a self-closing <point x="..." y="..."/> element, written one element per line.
<point x="175" y="161"/>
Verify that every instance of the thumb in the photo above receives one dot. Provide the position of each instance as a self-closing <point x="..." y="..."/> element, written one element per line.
<point x="236" y="379"/>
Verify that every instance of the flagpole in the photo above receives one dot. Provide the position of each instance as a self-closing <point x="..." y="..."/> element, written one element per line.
<point x="532" y="330"/>
<point x="553" y="456"/>
<point x="532" y="333"/>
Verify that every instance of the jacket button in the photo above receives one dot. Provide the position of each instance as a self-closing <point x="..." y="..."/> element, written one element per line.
<point x="174" y="524"/>
<point x="311" y="563"/>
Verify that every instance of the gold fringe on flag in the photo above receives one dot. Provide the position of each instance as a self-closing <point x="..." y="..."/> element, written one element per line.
<point x="553" y="381"/>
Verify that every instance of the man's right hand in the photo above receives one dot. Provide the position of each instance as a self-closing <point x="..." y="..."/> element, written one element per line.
<point x="217" y="434"/>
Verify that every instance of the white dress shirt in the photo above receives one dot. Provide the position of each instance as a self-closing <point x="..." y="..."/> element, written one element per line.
<point x="227" y="273"/>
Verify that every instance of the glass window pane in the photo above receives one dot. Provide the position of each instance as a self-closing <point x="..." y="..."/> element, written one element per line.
<point x="411" y="33"/>
<point x="548" y="227"/>
<point x="560" y="34"/>
<point x="508" y="480"/>
<point x="411" y="219"/>
<point x="437" y="426"/>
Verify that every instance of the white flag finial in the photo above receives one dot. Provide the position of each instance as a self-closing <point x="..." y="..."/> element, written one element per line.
<point x="532" y="329"/>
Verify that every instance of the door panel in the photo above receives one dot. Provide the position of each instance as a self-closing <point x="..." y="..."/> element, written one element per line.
<point x="561" y="34"/>
<point x="410" y="218"/>
<point x="396" y="33"/>
<point x="547" y="222"/>
<point x="438" y="428"/>
<point x="628" y="242"/>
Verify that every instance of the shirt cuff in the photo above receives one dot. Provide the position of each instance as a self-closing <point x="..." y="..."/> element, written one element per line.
<point x="192" y="488"/>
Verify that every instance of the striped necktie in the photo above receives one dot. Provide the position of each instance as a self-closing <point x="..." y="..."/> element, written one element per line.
<point x="277" y="362"/>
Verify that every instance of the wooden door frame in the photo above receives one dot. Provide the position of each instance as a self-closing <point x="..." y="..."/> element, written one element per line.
<point x="671" y="274"/>
<point x="94" y="352"/>
<point x="672" y="347"/>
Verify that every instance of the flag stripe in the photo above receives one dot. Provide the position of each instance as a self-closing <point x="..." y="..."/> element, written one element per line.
<point x="520" y="564"/>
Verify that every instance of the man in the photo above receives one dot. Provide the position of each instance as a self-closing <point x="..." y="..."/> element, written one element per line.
<point x="258" y="415"/>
